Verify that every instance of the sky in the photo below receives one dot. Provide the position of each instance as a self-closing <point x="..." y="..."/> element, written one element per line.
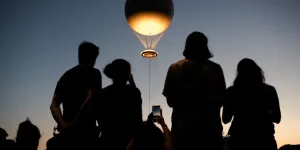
<point x="39" y="41"/>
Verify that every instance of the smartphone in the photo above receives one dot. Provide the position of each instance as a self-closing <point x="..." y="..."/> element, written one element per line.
<point x="156" y="112"/>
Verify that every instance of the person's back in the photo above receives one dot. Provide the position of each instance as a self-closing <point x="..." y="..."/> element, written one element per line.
<point x="75" y="91"/>
<point x="254" y="107"/>
<point x="119" y="106"/>
<point x="193" y="88"/>
<point x="194" y="81"/>
<point x="251" y="109"/>
<point x="74" y="87"/>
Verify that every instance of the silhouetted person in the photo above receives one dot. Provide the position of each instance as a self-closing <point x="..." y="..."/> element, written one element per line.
<point x="290" y="147"/>
<point x="150" y="137"/>
<point x="77" y="86"/>
<point x="119" y="107"/>
<point x="10" y="145"/>
<point x="254" y="106"/>
<point x="6" y="144"/>
<point x="3" y="136"/>
<point x="28" y="136"/>
<point x="193" y="88"/>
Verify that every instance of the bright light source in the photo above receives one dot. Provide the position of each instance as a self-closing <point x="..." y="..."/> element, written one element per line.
<point x="149" y="53"/>
<point x="149" y="23"/>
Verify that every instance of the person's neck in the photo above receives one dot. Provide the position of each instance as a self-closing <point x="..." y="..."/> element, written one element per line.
<point x="86" y="65"/>
<point x="198" y="60"/>
<point x="120" y="83"/>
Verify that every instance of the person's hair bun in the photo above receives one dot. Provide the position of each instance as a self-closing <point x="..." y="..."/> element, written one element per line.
<point x="109" y="70"/>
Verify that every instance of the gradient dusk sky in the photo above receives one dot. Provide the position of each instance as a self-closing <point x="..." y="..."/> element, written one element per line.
<point x="39" y="40"/>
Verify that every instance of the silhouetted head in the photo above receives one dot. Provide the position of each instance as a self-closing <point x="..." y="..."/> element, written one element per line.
<point x="87" y="53"/>
<point x="148" y="137"/>
<point x="10" y="145"/>
<point x="28" y="135"/>
<point x="119" y="71"/>
<point x="196" y="47"/>
<point x="3" y="135"/>
<point x="248" y="73"/>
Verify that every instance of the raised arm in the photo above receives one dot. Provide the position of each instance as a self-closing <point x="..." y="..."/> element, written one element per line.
<point x="167" y="134"/>
<point x="131" y="80"/>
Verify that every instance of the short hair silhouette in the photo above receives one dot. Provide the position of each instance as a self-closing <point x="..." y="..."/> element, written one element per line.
<point x="249" y="72"/>
<point x="3" y="133"/>
<point x="196" y="47"/>
<point x="118" y="69"/>
<point x="87" y="53"/>
<point x="28" y="135"/>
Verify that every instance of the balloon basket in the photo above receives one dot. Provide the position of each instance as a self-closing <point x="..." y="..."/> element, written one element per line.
<point x="149" y="53"/>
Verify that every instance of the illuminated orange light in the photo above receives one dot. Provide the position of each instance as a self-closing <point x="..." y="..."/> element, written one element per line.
<point x="149" y="23"/>
<point x="149" y="53"/>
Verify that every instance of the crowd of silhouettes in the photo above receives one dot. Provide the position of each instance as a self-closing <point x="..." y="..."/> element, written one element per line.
<point x="111" y="117"/>
<point x="28" y="137"/>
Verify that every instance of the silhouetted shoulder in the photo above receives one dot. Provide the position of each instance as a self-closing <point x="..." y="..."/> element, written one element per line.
<point x="107" y="89"/>
<point x="178" y="63"/>
<point x="134" y="89"/>
<point x="69" y="73"/>
<point x="113" y="88"/>
<point x="230" y="89"/>
<point x="184" y="62"/>
<point x="209" y="62"/>
<point x="87" y="75"/>
<point x="213" y="65"/>
<point x="83" y="69"/>
<point x="96" y="71"/>
<point x="230" y="92"/>
<point x="63" y="81"/>
<point x="269" y="87"/>
<point x="66" y="74"/>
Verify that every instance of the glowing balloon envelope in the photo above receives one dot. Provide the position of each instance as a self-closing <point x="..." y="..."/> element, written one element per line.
<point x="149" y="19"/>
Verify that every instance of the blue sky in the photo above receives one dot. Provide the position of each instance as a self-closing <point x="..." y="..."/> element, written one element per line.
<point x="39" y="41"/>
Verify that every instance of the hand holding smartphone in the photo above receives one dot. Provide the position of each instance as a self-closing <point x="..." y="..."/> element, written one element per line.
<point x="156" y="111"/>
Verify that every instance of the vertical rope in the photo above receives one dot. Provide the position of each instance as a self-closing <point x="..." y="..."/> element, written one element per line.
<point x="149" y="86"/>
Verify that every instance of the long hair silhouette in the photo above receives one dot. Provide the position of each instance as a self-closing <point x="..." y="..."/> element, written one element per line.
<point x="248" y="73"/>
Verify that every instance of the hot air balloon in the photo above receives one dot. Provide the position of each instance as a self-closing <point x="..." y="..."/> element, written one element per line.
<point x="149" y="19"/>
